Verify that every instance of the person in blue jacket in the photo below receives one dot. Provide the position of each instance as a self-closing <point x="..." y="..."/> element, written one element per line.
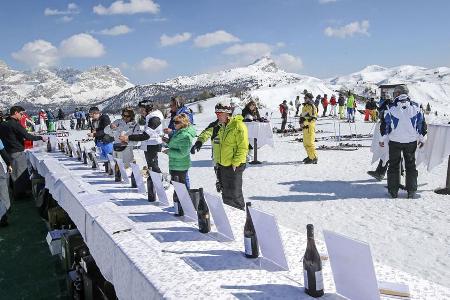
<point x="177" y="107"/>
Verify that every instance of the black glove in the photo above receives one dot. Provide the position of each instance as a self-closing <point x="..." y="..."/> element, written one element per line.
<point x="219" y="186"/>
<point x="196" y="146"/>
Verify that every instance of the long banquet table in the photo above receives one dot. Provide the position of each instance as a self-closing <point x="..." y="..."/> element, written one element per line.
<point x="147" y="253"/>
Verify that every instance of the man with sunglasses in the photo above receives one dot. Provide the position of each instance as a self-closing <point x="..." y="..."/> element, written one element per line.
<point x="230" y="147"/>
<point x="13" y="136"/>
<point x="101" y="139"/>
<point x="404" y="128"/>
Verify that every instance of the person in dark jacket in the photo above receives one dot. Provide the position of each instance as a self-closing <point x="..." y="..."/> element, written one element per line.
<point x="341" y="104"/>
<point x="60" y="116"/>
<point x="102" y="140"/>
<point x="251" y="112"/>
<point x="177" y="107"/>
<point x="5" y="202"/>
<point x="284" y="112"/>
<point x="13" y="136"/>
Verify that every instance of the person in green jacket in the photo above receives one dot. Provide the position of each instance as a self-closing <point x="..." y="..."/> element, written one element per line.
<point x="179" y="147"/>
<point x="230" y="148"/>
<point x="351" y="108"/>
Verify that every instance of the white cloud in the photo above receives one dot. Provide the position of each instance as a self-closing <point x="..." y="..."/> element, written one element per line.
<point x="251" y="50"/>
<point x="280" y="45"/>
<point x="150" y="64"/>
<point x="327" y="1"/>
<point x="38" y="53"/>
<point x="288" y="62"/>
<point x="128" y="8"/>
<point x="81" y="45"/>
<point x="72" y="9"/>
<point x="214" y="38"/>
<point x="348" y="30"/>
<point x="116" y="30"/>
<point x="166" y="40"/>
<point x="152" y="20"/>
<point x="65" y="19"/>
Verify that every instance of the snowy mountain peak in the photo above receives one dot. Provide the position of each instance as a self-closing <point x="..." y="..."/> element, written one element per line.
<point x="265" y="64"/>
<point x="54" y="87"/>
<point x="3" y="65"/>
<point x="372" y="68"/>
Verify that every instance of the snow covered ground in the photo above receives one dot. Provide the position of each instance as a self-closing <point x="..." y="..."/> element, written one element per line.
<point x="408" y="234"/>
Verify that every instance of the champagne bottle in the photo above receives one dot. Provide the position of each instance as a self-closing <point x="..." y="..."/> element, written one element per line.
<point x="67" y="147"/>
<point x="312" y="266"/>
<point x="85" y="157"/>
<point x="78" y="151"/>
<point x="250" y="239"/>
<point x="151" y="197"/>
<point x="176" y="202"/>
<point x="93" y="160"/>
<point x="204" y="218"/>
<point x="70" y="148"/>
<point x="133" y="180"/>
<point x="106" y="166"/>
<point x="117" y="175"/>
<point x="49" y="145"/>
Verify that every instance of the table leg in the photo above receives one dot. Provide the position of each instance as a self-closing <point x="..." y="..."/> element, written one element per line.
<point x="446" y="190"/>
<point x="255" y="153"/>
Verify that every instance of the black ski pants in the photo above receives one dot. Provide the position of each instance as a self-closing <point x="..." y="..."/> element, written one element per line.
<point x="231" y="181"/>
<point x="393" y="173"/>
<point x="181" y="176"/>
<point x="283" y="123"/>
<point x="151" y="156"/>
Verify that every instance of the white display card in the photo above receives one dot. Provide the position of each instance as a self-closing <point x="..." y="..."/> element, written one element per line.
<point x="185" y="200"/>
<point x="138" y="178"/>
<point x="123" y="171"/>
<point x="157" y="184"/>
<point x="219" y="216"/>
<point x="269" y="238"/>
<point x="352" y="266"/>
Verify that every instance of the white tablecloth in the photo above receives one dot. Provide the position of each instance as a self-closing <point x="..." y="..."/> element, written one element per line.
<point x="147" y="253"/>
<point x="262" y="131"/>
<point x="437" y="146"/>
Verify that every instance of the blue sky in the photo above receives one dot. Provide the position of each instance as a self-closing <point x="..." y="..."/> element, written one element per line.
<point x="153" y="40"/>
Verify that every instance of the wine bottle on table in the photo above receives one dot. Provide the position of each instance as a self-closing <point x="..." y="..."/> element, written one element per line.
<point x="106" y="166"/>
<point x="49" y="145"/>
<point x="78" y="151"/>
<point x="117" y="175"/>
<point x="150" y="189"/>
<point x="176" y="202"/>
<point x="133" y="180"/>
<point x="204" y="218"/>
<point x="250" y="238"/>
<point x="312" y="266"/>
<point x="85" y="157"/>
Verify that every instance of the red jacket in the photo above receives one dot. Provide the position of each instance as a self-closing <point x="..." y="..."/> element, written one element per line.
<point x="333" y="100"/>
<point x="324" y="102"/>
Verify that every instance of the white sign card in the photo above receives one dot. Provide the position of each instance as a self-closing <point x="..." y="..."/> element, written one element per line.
<point x="123" y="171"/>
<point x="80" y="151"/>
<point x="138" y="178"/>
<point x="352" y="266"/>
<point x="157" y="184"/>
<point x="269" y="238"/>
<point x="53" y="142"/>
<point x="111" y="163"/>
<point x="87" y="156"/>
<point x="185" y="200"/>
<point x="221" y="220"/>
<point x="74" y="149"/>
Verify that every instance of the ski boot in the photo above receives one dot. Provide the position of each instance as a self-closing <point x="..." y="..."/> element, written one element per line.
<point x="393" y="194"/>
<point x="376" y="175"/>
<point x="411" y="194"/>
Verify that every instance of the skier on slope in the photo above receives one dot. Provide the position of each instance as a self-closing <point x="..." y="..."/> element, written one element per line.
<point x="333" y="103"/>
<point x="284" y="112"/>
<point x="351" y="108"/>
<point x="341" y="102"/>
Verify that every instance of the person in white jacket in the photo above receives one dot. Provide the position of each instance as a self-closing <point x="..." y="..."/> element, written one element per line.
<point x="404" y="128"/>
<point x="124" y="126"/>
<point x="151" y="137"/>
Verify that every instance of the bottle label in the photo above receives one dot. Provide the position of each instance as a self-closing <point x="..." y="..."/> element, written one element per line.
<point x="63" y="252"/>
<point x="248" y="246"/>
<point x="319" y="281"/>
<point x="305" y="279"/>
<point x="175" y="206"/>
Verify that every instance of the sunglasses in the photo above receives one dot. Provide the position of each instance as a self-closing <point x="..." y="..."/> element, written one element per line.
<point x="126" y="116"/>
<point x="177" y="122"/>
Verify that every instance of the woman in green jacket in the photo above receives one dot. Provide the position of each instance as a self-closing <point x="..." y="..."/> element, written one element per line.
<point x="179" y="147"/>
